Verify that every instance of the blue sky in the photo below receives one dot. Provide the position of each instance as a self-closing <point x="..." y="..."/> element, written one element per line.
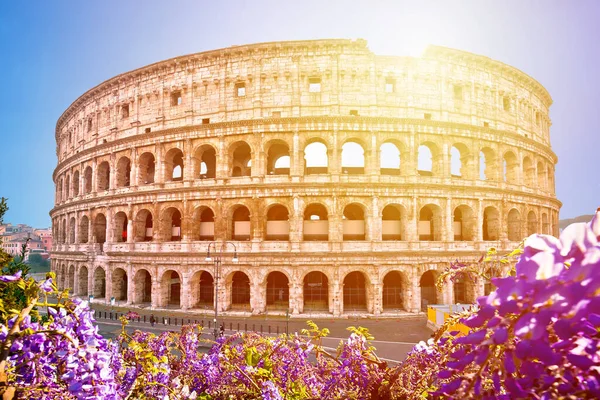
<point x="52" y="52"/>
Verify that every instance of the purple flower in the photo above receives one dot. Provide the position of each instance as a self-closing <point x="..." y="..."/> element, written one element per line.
<point x="11" y="278"/>
<point x="46" y="286"/>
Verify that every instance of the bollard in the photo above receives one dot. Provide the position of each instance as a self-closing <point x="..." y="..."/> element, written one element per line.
<point x="144" y="318"/>
<point x="111" y="315"/>
<point x="238" y="328"/>
<point x="261" y="329"/>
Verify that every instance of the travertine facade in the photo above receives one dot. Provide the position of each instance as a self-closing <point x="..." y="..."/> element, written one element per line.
<point x="347" y="180"/>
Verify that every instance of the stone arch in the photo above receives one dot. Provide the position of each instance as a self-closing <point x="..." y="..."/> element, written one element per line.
<point x="119" y="284"/>
<point x="100" y="228"/>
<point x="76" y="183"/>
<point x="202" y="290"/>
<point x="278" y="290"/>
<point x="142" y="286"/>
<point x="143" y="226"/>
<point x="429" y="293"/>
<point x="103" y="176"/>
<point x="514" y="225"/>
<point x="550" y="177"/>
<point x="203" y="223"/>
<point x="389" y="159"/>
<point x="430" y="223"/>
<point x="460" y="161"/>
<point x="99" y="287"/>
<point x="174" y="165"/>
<point x="316" y="291"/>
<point x="464" y="223"/>
<point x="393" y="222"/>
<point x="170" y="289"/>
<point x="240" y="159"/>
<point x="542" y="181"/>
<point x="238" y="285"/>
<point x="87" y="180"/>
<point x="72" y="230"/>
<point x="277" y="224"/>
<point x="241" y="227"/>
<point x="205" y="162"/>
<point x="528" y="172"/>
<point x="146" y="168"/>
<point x="316" y="223"/>
<point x="464" y="290"/>
<point x="354" y="222"/>
<point x="428" y="159"/>
<point x="84" y="227"/>
<point x="394" y="292"/>
<point x="278" y="157"/>
<point x="488" y="164"/>
<point x="68" y="187"/>
<point x="120" y="227"/>
<point x="124" y="172"/>
<point x="71" y="279"/>
<point x="510" y="168"/>
<point x="532" y="223"/>
<point x="82" y="278"/>
<point x="316" y="157"/>
<point x="59" y="191"/>
<point x="355" y="291"/>
<point x="170" y="225"/>
<point x="353" y="158"/>
<point x="491" y="224"/>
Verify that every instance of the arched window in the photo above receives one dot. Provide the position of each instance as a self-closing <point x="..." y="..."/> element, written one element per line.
<point x="316" y="225"/>
<point x="315" y="158"/>
<point x="353" y="158"/>
<point x="389" y="159"/>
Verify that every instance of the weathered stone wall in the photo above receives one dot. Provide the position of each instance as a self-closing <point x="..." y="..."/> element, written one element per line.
<point x="157" y="162"/>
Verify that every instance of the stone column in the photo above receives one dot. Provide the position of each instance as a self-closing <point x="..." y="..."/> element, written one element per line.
<point x="377" y="298"/>
<point x="129" y="230"/>
<point x="297" y="301"/>
<point x="412" y="233"/>
<point x="130" y="283"/>
<point x="156" y="295"/>
<point x="448" y="222"/>
<point x="414" y="301"/>
<point x="94" y="173"/>
<point x="108" y="286"/>
<point x="375" y="225"/>
<point x="76" y="228"/>
<point x="478" y="229"/>
<point x="185" y="291"/>
<point x="257" y="298"/>
<point x="222" y="162"/>
<point x="297" y="166"/>
<point x="159" y="165"/>
<point x="133" y="178"/>
<point x="90" y="279"/>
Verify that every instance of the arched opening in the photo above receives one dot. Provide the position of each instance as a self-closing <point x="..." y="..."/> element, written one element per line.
<point x="389" y="159"/>
<point x="532" y="224"/>
<point x="355" y="292"/>
<point x="142" y="287"/>
<point x="315" y="159"/>
<point x="240" y="291"/>
<point x="491" y="224"/>
<point x="462" y="290"/>
<point x="550" y="175"/>
<point x="99" y="283"/>
<point x="428" y="160"/>
<point x="59" y="191"/>
<point x="510" y="166"/>
<point x="174" y="165"/>
<point x="84" y="226"/>
<point x="203" y="290"/>
<point x="529" y="172"/>
<point x="63" y="231"/>
<point x="83" y="280"/>
<point x="545" y="224"/>
<point x="120" y="227"/>
<point x="100" y="228"/>
<point x="514" y="226"/>
<point x="240" y="229"/>
<point x="278" y="159"/>
<point x="455" y="162"/>
<point x="353" y="222"/>
<point x="87" y="180"/>
<point x="464" y="223"/>
<point x="72" y="230"/>
<point x="123" y="172"/>
<point x="490" y="274"/>
<point x="204" y="224"/>
<point x="488" y="168"/>
<point x="542" y="182"/>
<point x="429" y="294"/>
<point x="146" y="169"/>
<point x="205" y="162"/>
<point x="240" y="156"/>
<point x="76" y="183"/>
<point x="393" y="220"/>
<point x="278" y="225"/>
<point x="353" y="158"/>
<point x="119" y="284"/>
<point x="171" y="225"/>
<point x="394" y="285"/>
<point x="315" y="225"/>
<point x="171" y="289"/>
<point x="143" y="226"/>
<point x="278" y="291"/>
<point x="68" y="187"/>
<point x="71" y="279"/>
<point x="103" y="176"/>
<point x="316" y="292"/>
<point x="430" y="223"/>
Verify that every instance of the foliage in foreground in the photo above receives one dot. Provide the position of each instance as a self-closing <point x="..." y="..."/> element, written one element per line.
<point x="536" y="336"/>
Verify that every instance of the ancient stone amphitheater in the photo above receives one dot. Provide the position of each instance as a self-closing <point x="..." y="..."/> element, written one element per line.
<point x="346" y="180"/>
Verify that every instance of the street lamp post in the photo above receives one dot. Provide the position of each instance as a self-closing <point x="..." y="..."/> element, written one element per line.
<point x="217" y="261"/>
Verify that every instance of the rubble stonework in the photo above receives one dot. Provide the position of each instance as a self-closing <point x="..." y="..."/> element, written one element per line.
<point x="155" y="163"/>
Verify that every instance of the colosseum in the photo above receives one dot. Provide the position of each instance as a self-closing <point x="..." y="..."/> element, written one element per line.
<point x="345" y="180"/>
